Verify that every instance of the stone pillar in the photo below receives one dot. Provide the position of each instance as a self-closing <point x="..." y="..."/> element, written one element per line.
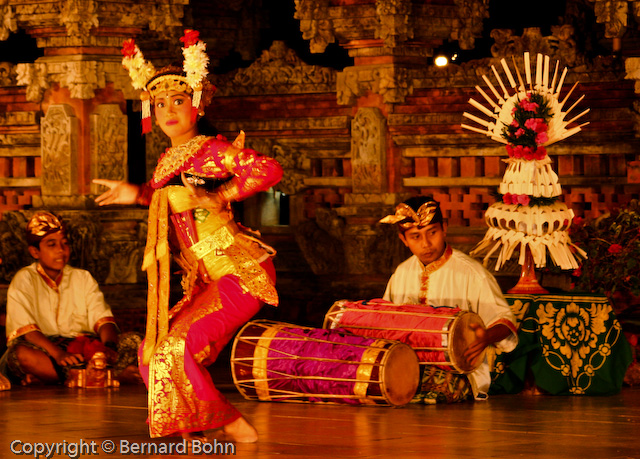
<point x="108" y="144"/>
<point x="368" y="151"/>
<point x="59" y="130"/>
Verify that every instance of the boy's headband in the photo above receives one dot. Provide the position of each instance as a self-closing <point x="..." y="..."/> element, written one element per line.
<point x="428" y="213"/>
<point x="41" y="225"/>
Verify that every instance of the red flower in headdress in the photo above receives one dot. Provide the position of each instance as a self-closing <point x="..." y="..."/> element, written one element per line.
<point x="191" y="37"/>
<point x="129" y="48"/>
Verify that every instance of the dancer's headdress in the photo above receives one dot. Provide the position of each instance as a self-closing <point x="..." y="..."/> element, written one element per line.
<point x="191" y="78"/>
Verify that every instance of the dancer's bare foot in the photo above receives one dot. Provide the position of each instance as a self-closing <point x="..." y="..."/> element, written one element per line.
<point x="241" y="431"/>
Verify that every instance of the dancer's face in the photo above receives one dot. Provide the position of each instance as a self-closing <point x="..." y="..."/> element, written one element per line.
<point x="173" y="115"/>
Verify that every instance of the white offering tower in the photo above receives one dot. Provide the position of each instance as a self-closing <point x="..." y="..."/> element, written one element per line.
<point x="528" y="118"/>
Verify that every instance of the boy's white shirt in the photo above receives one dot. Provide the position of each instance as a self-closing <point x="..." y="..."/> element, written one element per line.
<point x="460" y="282"/>
<point x="74" y="311"/>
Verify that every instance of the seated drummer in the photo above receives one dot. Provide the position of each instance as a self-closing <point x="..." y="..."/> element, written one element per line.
<point x="57" y="317"/>
<point x="438" y="275"/>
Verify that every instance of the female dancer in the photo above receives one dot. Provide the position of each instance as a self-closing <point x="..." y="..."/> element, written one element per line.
<point x="227" y="273"/>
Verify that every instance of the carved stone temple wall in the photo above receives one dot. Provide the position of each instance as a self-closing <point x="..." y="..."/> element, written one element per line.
<point x="353" y="141"/>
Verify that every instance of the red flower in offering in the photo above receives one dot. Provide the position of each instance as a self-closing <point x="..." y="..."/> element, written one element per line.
<point x="615" y="248"/>
<point x="529" y="128"/>
<point x="542" y="138"/>
<point x="506" y="198"/>
<point x="191" y="37"/>
<point x="129" y="48"/>
<point x="529" y="106"/>
<point x="540" y="153"/>
<point x="536" y="124"/>
<point x="523" y="200"/>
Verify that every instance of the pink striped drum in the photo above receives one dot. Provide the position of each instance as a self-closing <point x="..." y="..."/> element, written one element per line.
<point x="274" y="361"/>
<point x="438" y="335"/>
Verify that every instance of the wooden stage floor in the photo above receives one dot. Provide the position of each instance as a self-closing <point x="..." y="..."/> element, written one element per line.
<point x="507" y="426"/>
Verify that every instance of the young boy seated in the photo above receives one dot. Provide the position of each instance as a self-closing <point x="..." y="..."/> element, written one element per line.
<point x="57" y="317"/>
<point x="438" y="275"/>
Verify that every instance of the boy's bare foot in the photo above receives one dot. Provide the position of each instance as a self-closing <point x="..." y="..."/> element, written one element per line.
<point x="241" y="431"/>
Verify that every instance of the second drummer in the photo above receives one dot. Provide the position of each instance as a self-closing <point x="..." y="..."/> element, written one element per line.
<point x="438" y="275"/>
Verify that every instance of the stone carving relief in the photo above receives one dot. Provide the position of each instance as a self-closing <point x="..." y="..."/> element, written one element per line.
<point x="614" y="14"/>
<point x="368" y="153"/>
<point x="81" y="77"/>
<point x="125" y="252"/>
<point x="392" y="83"/>
<point x="470" y="15"/>
<point x="394" y="25"/>
<point x="278" y="71"/>
<point x="114" y="255"/>
<point x="85" y="234"/>
<point x="35" y="78"/>
<point x="560" y="45"/>
<point x="7" y="74"/>
<point x="296" y="164"/>
<point x="13" y="245"/>
<point x="323" y="252"/>
<point x="108" y="144"/>
<point x="59" y="130"/>
<point x="315" y="23"/>
<point x="632" y="69"/>
<point x="18" y="118"/>
<point x="167" y="18"/>
<point x="78" y="17"/>
<point x="8" y="22"/>
<point x="357" y="245"/>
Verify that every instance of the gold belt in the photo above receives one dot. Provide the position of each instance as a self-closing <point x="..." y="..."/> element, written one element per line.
<point x="220" y="239"/>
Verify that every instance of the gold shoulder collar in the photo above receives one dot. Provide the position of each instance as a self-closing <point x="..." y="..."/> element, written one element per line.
<point x="174" y="160"/>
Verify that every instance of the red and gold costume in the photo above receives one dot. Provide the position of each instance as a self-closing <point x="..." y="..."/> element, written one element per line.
<point x="227" y="276"/>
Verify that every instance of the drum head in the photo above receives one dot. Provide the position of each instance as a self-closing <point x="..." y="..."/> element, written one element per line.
<point x="401" y="374"/>
<point x="462" y="335"/>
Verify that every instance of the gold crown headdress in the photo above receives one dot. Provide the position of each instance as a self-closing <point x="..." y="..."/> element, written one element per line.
<point x="145" y="77"/>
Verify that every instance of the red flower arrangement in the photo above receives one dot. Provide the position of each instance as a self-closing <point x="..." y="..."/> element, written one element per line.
<point x="522" y="199"/>
<point x="526" y="135"/>
<point x="612" y="243"/>
<point x="528" y="131"/>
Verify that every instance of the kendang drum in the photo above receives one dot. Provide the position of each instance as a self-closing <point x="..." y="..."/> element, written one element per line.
<point x="274" y="361"/>
<point x="439" y="335"/>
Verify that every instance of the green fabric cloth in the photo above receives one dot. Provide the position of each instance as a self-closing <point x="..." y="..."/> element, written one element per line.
<point x="568" y="344"/>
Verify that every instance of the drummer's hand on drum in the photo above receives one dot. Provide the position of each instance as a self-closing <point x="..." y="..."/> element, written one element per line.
<point x="484" y="338"/>
<point x="119" y="192"/>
